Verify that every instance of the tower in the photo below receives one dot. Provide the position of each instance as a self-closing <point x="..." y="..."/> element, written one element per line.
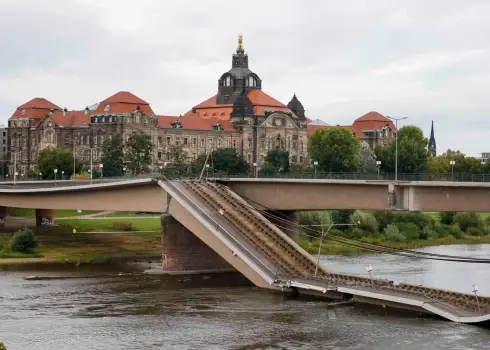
<point x="238" y="79"/>
<point x="432" y="141"/>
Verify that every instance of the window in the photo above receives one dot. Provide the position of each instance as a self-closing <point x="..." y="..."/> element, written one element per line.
<point x="301" y="159"/>
<point x="113" y="119"/>
<point x="251" y="81"/>
<point x="202" y="142"/>
<point x="227" y="81"/>
<point x="249" y="143"/>
<point x="88" y="139"/>
<point x="262" y="143"/>
<point x="295" y="145"/>
<point x="249" y="158"/>
<point x="159" y="140"/>
<point x="185" y="141"/>
<point x="95" y="120"/>
<point x="194" y="142"/>
<point x="94" y="154"/>
<point x="177" y="140"/>
<point x="169" y="140"/>
<point x="82" y="139"/>
<point x="4" y="134"/>
<point x="227" y="143"/>
<point x="107" y="108"/>
<point x="137" y="118"/>
<point x="101" y="139"/>
<point x="95" y="139"/>
<point x="159" y="155"/>
<point x="227" y="98"/>
<point x="234" y="143"/>
<point x="219" y="143"/>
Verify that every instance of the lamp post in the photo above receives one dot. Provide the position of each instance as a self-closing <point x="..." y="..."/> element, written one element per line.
<point x="62" y="174"/>
<point x="369" y="269"/>
<point x="452" y="163"/>
<point x="101" y="166"/>
<point x="255" y="169"/>
<point x="124" y="171"/>
<point x="475" y="291"/>
<point x="378" y="165"/>
<point x="396" y="144"/>
<point x="207" y="170"/>
<point x="40" y="176"/>
<point x="315" y="163"/>
<point x="55" y="172"/>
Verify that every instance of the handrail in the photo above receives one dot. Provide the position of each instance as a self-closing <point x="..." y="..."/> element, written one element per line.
<point x="272" y="274"/>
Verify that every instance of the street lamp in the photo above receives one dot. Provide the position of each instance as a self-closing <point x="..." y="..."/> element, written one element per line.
<point x="452" y="163"/>
<point x="315" y="163"/>
<point x="101" y="171"/>
<point x="255" y="169"/>
<point x="55" y="172"/>
<point x="40" y="176"/>
<point x="475" y="291"/>
<point x="378" y="165"/>
<point x="124" y="171"/>
<point x="62" y="174"/>
<point x="207" y="170"/>
<point x="15" y="176"/>
<point x="396" y="144"/>
<point x="369" y="269"/>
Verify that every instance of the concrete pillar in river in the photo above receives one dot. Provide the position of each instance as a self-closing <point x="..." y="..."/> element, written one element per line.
<point x="184" y="252"/>
<point x="286" y="221"/>
<point x="3" y="214"/>
<point x="44" y="217"/>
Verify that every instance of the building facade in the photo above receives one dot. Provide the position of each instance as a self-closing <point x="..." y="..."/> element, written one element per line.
<point x="240" y="115"/>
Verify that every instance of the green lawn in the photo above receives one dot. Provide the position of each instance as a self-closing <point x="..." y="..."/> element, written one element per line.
<point x="130" y="214"/>
<point x="31" y="213"/>
<point x="88" y="225"/>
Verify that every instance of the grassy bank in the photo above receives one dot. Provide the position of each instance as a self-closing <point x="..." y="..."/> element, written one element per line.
<point x="333" y="248"/>
<point x="95" y="240"/>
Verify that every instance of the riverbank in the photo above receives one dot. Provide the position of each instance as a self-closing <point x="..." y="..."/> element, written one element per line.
<point x="332" y="248"/>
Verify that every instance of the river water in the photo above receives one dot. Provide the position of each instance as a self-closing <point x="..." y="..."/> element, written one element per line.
<point x="116" y="307"/>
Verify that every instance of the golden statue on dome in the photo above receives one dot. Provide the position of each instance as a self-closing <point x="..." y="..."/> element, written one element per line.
<point x="240" y="42"/>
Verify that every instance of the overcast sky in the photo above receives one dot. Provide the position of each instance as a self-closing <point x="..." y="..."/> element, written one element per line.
<point x="427" y="60"/>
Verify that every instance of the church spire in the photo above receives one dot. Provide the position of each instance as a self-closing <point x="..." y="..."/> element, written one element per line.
<point x="240" y="44"/>
<point x="432" y="141"/>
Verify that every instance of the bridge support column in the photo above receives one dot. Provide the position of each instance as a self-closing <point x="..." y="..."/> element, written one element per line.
<point x="3" y="214"/>
<point x="44" y="217"/>
<point x="184" y="253"/>
<point x="287" y="222"/>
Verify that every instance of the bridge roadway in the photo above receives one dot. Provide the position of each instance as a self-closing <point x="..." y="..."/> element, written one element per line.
<point x="252" y="244"/>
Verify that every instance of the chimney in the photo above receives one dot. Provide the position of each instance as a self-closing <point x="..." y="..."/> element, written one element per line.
<point x="65" y="111"/>
<point x="86" y="110"/>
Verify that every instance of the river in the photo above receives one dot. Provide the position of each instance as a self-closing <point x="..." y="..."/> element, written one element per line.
<point x="115" y="307"/>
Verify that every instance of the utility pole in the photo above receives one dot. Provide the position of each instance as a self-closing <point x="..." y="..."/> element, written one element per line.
<point x="396" y="144"/>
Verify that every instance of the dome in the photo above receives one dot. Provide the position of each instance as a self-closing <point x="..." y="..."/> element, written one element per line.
<point x="297" y="107"/>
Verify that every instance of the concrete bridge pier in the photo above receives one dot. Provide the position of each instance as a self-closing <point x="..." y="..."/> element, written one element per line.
<point x="184" y="253"/>
<point x="44" y="217"/>
<point x="287" y="221"/>
<point x="3" y="214"/>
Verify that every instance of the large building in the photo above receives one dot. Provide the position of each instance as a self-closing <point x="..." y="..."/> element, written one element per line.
<point x="239" y="115"/>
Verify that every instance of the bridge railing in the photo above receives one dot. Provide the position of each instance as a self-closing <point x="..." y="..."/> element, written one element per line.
<point x="456" y="177"/>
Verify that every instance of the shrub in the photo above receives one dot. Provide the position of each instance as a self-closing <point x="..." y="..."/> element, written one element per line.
<point x="447" y="217"/>
<point x="455" y="231"/>
<point x="341" y="217"/>
<point x="466" y="220"/>
<point x="2" y="346"/>
<point x="473" y="231"/>
<point x="410" y="230"/>
<point x="368" y="221"/>
<point x="123" y="226"/>
<point x="430" y="232"/>
<point x="358" y="233"/>
<point x="419" y="219"/>
<point x="23" y="241"/>
<point x="384" y="218"/>
<point x="392" y="234"/>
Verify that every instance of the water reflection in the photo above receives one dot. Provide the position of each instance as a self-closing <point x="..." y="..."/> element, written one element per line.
<point x="136" y="311"/>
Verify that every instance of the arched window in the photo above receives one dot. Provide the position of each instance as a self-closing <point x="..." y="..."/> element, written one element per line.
<point x="251" y="81"/>
<point x="227" y="81"/>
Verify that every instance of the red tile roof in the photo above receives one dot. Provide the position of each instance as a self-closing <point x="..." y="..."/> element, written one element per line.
<point x="125" y="97"/>
<point x="165" y="121"/>
<point x="260" y="98"/>
<point x="373" y="121"/>
<point x="125" y="108"/>
<point x="72" y="118"/>
<point x="40" y="103"/>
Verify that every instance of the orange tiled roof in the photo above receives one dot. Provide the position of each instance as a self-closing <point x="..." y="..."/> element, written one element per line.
<point x="72" y="118"/>
<point x="125" y="97"/>
<point x="40" y="103"/>
<point x="194" y="121"/>
<point x="260" y="98"/>
<point x="165" y="121"/>
<point x="373" y="121"/>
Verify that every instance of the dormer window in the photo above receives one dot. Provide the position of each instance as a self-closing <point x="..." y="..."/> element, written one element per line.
<point x="218" y="127"/>
<point x="251" y="81"/>
<point x="177" y="125"/>
<point x="107" y="108"/>
<point x="227" y="81"/>
<point x="23" y="112"/>
<point x="95" y="120"/>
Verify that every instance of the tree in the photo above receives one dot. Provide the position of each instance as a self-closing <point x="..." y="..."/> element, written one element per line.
<point x="412" y="152"/>
<point x="50" y="159"/>
<point x="335" y="150"/>
<point x="178" y="159"/>
<point x="462" y="164"/>
<point x="368" y="159"/>
<point x="223" y="160"/>
<point x="138" y="153"/>
<point x="113" y="157"/>
<point x="278" y="159"/>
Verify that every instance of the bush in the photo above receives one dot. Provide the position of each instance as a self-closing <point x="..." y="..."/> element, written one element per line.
<point x="23" y="241"/>
<point x="473" y="231"/>
<point x="358" y="233"/>
<point x="2" y="346"/>
<point x="122" y="226"/>
<point x="430" y="232"/>
<point x="447" y="217"/>
<point x="341" y="217"/>
<point x="466" y="220"/>
<point x="368" y="221"/>
<point x="455" y="231"/>
<point x="410" y="230"/>
<point x="384" y="218"/>
<point x="419" y="219"/>
<point x="392" y="234"/>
